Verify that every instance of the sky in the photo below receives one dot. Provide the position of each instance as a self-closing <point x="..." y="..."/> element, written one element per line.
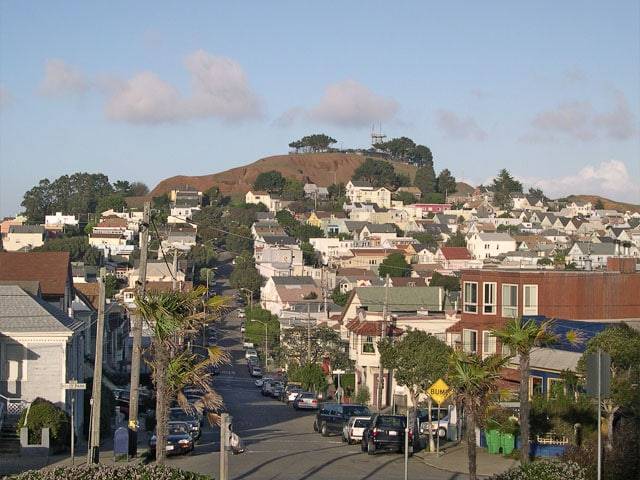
<point x="146" y="90"/>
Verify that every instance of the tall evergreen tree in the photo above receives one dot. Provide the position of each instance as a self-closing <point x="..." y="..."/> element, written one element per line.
<point x="425" y="179"/>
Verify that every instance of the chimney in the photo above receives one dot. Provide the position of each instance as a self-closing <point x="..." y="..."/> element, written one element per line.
<point x="616" y="250"/>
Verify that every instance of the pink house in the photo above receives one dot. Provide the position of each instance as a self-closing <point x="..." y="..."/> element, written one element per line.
<point x="433" y="207"/>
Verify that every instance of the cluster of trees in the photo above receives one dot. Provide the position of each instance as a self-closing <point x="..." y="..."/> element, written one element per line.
<point x="79" y="193"/>
<point x="313" y="143"/>
<point x="246" y="275"/>
<point x="324" y="341"/>
<point x="78" y="248"/>
<point x="380" y="174"/>
<point x="394" y="265"/>
<point x="406" y="150"/>
<point x="274" y="182"/>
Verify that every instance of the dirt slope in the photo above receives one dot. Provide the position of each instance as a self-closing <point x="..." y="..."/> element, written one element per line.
<point x="608" y="203"/>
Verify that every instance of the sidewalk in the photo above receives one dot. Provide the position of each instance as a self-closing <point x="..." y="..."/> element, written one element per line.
<point x="454" y="459"/>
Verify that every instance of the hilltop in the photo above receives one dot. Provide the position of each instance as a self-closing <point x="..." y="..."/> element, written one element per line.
<point x="320" y="168"/>
<point x="608" y="203"/>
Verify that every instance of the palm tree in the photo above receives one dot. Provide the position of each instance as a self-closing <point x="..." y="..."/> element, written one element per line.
<point x="521" y="337"/>
<point x="474" y="381"/>
<point x="170" y="316"/>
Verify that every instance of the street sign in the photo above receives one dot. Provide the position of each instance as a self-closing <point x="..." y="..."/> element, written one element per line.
<point x="599" y="370"/>
<point x="439" y="391"/>
<point x="338" y="372"/>
<point x="73" y="385"/>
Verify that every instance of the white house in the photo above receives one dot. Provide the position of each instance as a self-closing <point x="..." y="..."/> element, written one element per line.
<point x="59" y="221"/>
<point x="486" y="245"/>
<point x="279" y="260"/>
<point x="23" y="238"/>
<point x="331" y="249"/>
<point x="363" y="192"/>
<point x="285" y="293"/>
<point x="595" y="255"/>
<point x="269" y="200"/>
<point x="40" y="351"/>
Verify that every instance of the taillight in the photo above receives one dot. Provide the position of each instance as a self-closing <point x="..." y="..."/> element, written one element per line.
<point x="410" y="435"/>
<point x="375" y="432"/>
<point x="314" y="401"/>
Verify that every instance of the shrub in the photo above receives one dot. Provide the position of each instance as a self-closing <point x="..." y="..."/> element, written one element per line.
<point x="44" y="414"/>
<point x="544" y="470"/>
<point x="363" y="396"/>
<point x="111" y="472"/>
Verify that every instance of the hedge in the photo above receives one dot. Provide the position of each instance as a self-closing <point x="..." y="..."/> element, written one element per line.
<point x="544" y="470"/>
<point x="44" y="414"/>
<point x="111" y="472"/>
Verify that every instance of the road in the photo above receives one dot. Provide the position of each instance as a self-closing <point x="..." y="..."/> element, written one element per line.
<point x="280" y="442"/>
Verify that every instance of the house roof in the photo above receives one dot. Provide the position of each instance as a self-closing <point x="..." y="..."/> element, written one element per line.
<point x="297" y="280"/>
<point x="372" y="328"/>
<point x="356" y="272"/>
<point x="408" y="281"/>
<point x="380" y="228"/>
<point x="26" y="229"/>
<point x="495" y="237"/>
<point x="90" y="291"/>
<point x="551" y="359"/>
<point x="32" y="287"/>
<point x="51" y="269"/>
<point x="106" y="235"/>
<point x="22" y="313"/>
<point x="455" y="253"/>
<point x="290" y="293"/>
<point x="401" y="299"/>
<point x="279" y="240"/>
<point x="112" y="222"/>
<point x="374" y="251"/>
<point x="604" y="248"/>
<point x="361" y="184"/>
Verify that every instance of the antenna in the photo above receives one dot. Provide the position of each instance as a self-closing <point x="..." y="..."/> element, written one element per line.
<point x="377" y="137"/>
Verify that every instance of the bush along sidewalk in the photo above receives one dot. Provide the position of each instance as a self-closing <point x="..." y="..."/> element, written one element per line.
<point x="544" y="470"/>
<point x="111" y="472"/>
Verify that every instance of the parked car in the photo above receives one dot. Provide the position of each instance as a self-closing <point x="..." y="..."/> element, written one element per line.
<point x="260" y="382"/>
<point x="332" y="417"/>
<point x="241" y="315"/>
<point x="179" y="441"/>
<point x="179" y="415"/>
<point x="250" y="352"/>
<point x="246" y="345"/>
<point x="290" y="393"/>
<point x="242" y="328"/>
<point x="256" y="371"/>
<point x="354" y="428"/>
<point x="305" y="401"/>
<point x="277" y="390"/>
<point x="385" y="432"/>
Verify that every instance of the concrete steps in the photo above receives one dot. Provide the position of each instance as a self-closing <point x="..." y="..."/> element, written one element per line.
<point x="9" y="438"/>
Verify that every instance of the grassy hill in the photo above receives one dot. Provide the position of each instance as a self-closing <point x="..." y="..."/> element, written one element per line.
<point x="608" y="203"/>
<point x="320" y="168"/>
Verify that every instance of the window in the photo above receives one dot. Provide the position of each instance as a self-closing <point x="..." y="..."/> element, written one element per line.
<point x="470" y="341"/>
<point x="555" y="387"/>
<point x="470" y="297"/>
<point x="530" y="302"/>
<point x="535" y="386"/>
<point x="367" y="345"/>
<point x="488" y="343"/>
<point x="509" y="301"/>
<point x="489" y="299"/>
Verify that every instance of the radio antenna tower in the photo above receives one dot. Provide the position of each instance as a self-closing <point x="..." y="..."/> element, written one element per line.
<point x="377" y="137"/>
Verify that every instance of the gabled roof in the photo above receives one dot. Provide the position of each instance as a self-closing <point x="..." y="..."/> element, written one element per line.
<point x="607" y="248"/>
<point x="112" y="222"/>
<point x="455" y="253"/>
<point x="361" y="184"/>
<point x="51" y="269"/>
<point x="380" y="228"/>
<point x="495" y="237"/>
<point x="22" y="313"/>
<point x="297" y="280"/>
<point x="372" y="328"/>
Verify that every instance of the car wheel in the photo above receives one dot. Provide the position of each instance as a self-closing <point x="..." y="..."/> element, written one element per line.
<point x="315" y="423"/>
<point x="442" y="432"/>
<point x="324" y="430"/>
<point x="344" y="439"/>
<point x="363" y="446"/>
<point x="371" y="448"/>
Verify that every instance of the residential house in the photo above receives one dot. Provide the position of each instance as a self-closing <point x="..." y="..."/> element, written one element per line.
<point x="132" y="217"/>
<point x="59" y="221"/>
<point x="368" y="257"/>
<point x="157" y="271"/>
<point x="331" y="248"/>
<point x="349" y="278"/>
<point x="486" y="245"/>
<point x="269" y="200"/>
<point x="51" y="269"/>
<point x="9" y="221"/>
<point x="23" y="238"/>
<point x="588" y="255"/>
<point x="527" y="202"/>
<point x="456" y="258"/>
<point x="450" y="221"/>
<point x="181" y="236"/>
<point x="40" y="351"/>
<point x="267" y="227"/>
<point x="376" y="234"/>
<point x="311" y="190"/>
<point x="363" y="192"/>
<point x="285" y="293"/>
<point x="427" y="208"/>
<point x="113" y="237"/>
<point x="581" y="207"/>
<point x="278" y="260"/>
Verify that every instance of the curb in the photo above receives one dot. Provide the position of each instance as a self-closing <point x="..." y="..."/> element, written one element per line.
<point x="424" y="459"/>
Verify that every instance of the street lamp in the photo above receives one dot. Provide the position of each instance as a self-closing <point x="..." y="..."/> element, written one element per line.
<point x="266" y="342"/>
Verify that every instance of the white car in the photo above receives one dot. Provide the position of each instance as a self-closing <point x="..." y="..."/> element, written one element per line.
<point x="353" y="430"/>
<point x="440" y="427"/>
<point x="241" y="315"/>
<point x="250" y="352"/>
<point x="247" y="345"/>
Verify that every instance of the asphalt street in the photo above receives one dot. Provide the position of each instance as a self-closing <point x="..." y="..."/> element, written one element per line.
<point x="280" y="442"/>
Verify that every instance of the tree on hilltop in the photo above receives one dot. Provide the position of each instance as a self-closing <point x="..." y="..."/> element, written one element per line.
<point x="318" y="142"/>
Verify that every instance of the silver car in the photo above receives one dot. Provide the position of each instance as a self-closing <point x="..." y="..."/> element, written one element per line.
<point x="306" y="401"/>
<point x="353" y="430"/>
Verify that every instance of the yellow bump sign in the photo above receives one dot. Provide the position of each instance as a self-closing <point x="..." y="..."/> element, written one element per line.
<point x="439" y="391"/>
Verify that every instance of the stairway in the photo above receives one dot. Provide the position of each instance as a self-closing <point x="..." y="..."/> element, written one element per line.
<point x="9" y="438"/>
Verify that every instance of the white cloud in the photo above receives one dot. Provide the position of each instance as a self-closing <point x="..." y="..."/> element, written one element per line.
<point x="219" y="88"/>
<point x="579" y="120"/>
<point x="345" y="104"/>
<point x="61" y="78"/>
<point x="459" y="127"/>
<point x="610" y="178"/>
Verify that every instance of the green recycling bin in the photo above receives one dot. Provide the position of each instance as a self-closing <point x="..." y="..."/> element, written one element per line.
<point x="493" y="441"/>
<point x="507" y="442"/>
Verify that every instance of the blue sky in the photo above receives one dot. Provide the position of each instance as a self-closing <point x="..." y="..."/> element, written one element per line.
<point x="146" y="90"/>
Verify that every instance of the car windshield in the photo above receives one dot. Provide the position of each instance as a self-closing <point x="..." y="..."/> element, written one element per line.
<point x="181" y="415"/>
<point x="361" y="423"/>
<point x="391" y="422"/>
<point x="178" y="429"/>
<point x="307" y="395"/>
<point x="356" y="411"/>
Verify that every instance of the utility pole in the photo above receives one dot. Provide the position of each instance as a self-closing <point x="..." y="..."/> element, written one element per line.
<point x="94" y="436"/>
<point x="385" y="312"/>
<point x="308" y="332"/>
<point x="136" y="346"/>
<point x="325" y="282"/>
<point x="174" y="271"/>
<point x="224" y="446"/>
<point x="599" y="472"/>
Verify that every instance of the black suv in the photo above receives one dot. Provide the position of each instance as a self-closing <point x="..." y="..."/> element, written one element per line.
<point x="386" y="432"/>
<point x="332" y="417"/>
